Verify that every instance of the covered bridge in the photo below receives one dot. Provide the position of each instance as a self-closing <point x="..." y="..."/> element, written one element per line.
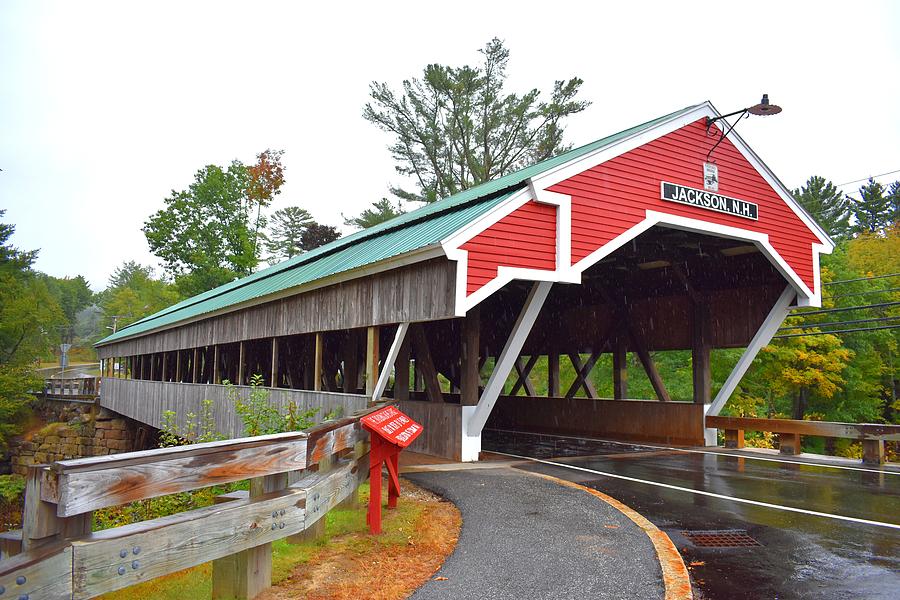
<point x="620" y="246"/>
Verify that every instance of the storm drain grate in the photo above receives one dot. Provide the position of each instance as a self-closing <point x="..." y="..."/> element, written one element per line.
<point x="722" y="538"/>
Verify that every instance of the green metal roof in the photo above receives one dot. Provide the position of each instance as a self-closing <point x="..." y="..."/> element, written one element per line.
<point x="414" y="230"/>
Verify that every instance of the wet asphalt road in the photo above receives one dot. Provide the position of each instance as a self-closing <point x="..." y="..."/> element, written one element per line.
<point x="799" y="556"/>
<point x="514" y="545"/>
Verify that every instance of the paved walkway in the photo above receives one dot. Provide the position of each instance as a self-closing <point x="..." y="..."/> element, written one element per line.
<point x="524" y="537"/>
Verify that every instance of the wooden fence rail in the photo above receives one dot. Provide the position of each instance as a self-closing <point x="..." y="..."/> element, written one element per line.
<point x="78" y="387"/>
<point x="872" y="435"/>
<point x="296" y="478"/>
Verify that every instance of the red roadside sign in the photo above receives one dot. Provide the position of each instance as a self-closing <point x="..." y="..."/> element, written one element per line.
<point x="393" y="426"/>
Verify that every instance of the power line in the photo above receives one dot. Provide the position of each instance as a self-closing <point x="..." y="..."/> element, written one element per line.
<point x="790" y="335"/>
<point x="833" y="310"/>
<point x="866" y="178"/>
<point x="833" y="323"/>
<point x="863" y="279"/>
<point x="869" y="293"/>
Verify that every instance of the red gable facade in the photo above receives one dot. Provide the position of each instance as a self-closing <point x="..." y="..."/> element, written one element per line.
<point x="571" y="217"/>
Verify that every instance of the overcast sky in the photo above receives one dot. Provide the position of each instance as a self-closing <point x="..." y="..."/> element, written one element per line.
<point x="107" y="107"/>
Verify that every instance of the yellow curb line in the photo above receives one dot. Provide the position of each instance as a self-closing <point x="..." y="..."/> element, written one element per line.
<point x="675" y="574"/>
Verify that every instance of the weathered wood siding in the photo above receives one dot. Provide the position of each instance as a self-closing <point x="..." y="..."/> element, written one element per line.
<point x="443" y="427"/>
<point x="419" y="292"/>
<point x="632" y="420"/>
<point x="145" y="401"/>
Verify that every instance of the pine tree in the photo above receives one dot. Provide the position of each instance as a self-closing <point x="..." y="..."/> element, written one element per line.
<point x="827" y="205"/>
<point x="872" y="211"/>
<point x="458" y="127"/>
<point x="284" y="239"/>
<point x="381" y="211"/>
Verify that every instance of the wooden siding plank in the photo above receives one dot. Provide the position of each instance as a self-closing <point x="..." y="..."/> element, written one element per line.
<point x="424" y="291"/>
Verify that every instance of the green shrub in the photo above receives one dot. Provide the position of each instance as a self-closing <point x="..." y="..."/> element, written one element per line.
<point x="12" y="489"/>
<point x="262" y="418"/>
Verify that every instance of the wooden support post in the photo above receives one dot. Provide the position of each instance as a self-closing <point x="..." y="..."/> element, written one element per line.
<point x="424" y="363"/>
<point x="178" y="373"/>
<point x="195" y="366"/>
<point x="217" y="374"/>
<point x="275" y="381"/>
<point x="317" y="530"/>
<point x="164" y="365"/>
<point x="229" y="574"/>
<point x="240" y="365"/>
<point x="553" y="385"/>
<point x="620" y="369"/>
<point x="582" y="374"/>
<point x="523" y="369"/>
<point x="470" y="376"/>
<point x="351" y="362"/>
<point x="873" y="452"/>
<point x="401" y="372"/>
<point x="247" y="574"/>
<point x="700" y="353"/>
<point x="40" y="525"/>
<point x="734" y="438"/>
<point x="372" y="358"/>
<point x="789" y="443"/>
<point x="318" y="361"/>
<point x="649" y="366"/>
<point x="152" y="366"/>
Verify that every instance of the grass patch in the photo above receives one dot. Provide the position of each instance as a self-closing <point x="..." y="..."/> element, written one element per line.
<point x="417" y="536"/>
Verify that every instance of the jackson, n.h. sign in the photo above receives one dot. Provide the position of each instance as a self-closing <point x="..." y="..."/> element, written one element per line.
<point x="709" y="200"/>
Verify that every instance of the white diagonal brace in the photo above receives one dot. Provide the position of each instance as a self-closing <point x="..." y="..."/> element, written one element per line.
<point x="763" y="336"/>
<point x="507" y="360"/>
<point x="389" y="361"/>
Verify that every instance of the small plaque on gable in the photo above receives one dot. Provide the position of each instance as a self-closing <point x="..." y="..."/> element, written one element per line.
<point x="711" y="177"/>
<point x="393" y="426"/>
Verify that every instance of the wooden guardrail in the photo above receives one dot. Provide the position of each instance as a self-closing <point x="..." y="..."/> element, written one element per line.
<point x="872" y="435"/>
<point x="72" y="387"/>
<point x="288" y="495"/>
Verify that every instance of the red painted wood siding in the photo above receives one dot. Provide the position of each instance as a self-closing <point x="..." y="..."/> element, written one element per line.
<point x="612" y="197"/>
<point x="524" y="238"/>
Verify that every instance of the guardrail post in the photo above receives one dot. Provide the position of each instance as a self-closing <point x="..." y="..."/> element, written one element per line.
<point x="352" y="501"/>
<point x="734" y="438"/>
<point x="316" y="531"/>
<point x="40" y="524"/>
<point x="251" y="570"/>
<point x="789" y="443"/>
<point x="229" y="574"/>
<point x="873" y="452"/>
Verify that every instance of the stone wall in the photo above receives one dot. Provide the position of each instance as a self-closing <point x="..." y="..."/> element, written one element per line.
<point x="78" y="430"/>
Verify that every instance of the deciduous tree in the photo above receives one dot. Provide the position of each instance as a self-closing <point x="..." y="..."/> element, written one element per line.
<point x="204" y="235"/>
<point x="30" y="320"/>
<point x="134" y="293"/>
<point x="316" y="235"/>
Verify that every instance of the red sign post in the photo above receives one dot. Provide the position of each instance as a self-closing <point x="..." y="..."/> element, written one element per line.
<point x="392" y="431"/>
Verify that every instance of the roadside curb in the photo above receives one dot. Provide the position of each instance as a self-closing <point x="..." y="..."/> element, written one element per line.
<point x="676" y="579"/>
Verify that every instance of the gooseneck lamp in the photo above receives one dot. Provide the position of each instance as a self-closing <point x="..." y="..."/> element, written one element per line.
<point x="763" y="109"/>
